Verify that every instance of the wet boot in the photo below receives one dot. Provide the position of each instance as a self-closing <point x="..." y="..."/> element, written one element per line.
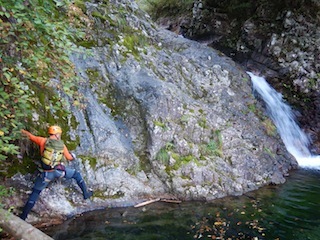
<point x="86" y="194"/>
<point x="27" y="208"/>
<point x="30" y="203"/>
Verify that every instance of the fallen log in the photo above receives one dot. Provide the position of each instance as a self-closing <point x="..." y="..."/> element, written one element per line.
<point x="18" y="228"/>
<point x="156" y="200"/>
<point x="147" y="202"/>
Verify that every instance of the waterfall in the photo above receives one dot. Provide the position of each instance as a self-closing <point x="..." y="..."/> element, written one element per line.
<point x="295" y="140"/>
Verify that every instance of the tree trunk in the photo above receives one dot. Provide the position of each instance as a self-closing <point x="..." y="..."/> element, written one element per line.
<point x="20" y="229"/>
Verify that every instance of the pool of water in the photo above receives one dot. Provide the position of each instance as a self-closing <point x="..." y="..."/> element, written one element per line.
<point x="289" y="211"/>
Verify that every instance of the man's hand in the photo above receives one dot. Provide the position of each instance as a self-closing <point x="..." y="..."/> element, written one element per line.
<point x="24" y="132"/>
<point x="73" y="156"/>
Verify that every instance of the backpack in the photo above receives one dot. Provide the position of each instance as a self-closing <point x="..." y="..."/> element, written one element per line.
<point x="53" y="152"/>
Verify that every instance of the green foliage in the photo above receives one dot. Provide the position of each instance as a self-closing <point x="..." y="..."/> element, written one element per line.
<point x="5" y="192"/>
<point x="158" y="8"/>
<point x="183" y="160"/>
<point x="185" y="118"/>
<point x="169" y="151"/>
<point x="102" y="195"/>
<point x="252" y="107"/>
<point x="214" y="146"/>
<point x="160" y="124"/>
<point x="269" y="127"/>
<point x="92" y="161"/>
<point x="238" y="6"/>
<point x="202" y="122"/>
<point x="36" y="39"/>
<point x="133" y="43"/>
<point x="269" y="151"/>
<point x="163" y="155"/>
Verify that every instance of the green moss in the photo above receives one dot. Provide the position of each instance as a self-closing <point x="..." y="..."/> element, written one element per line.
<point x="252" y="107"/>
<point x="87" y="44"/>
<point x="214" y="146"/>
<point x="134" y="42"/>
<point x="269" y="127"/>
<point x="180" y="161"/>
<point x="245" y="79"/>
<point x="158" y="8"/>
<point x="201" y="111"/>
<point x="74" y="123"/>
<point x="159" y="124"/>
<point x="185" y="177"/>
<point x="101" y="194"/>
<point x="203" y="123"/>
<point x="134" y="169"/>
<point x="94" y="76"/>
<point x="163" y="156"/>
<point x="105" y="91"/>
<point x="52" y="109"/>
<point x="73" y="144"/>
<point x="97" y="14"/>
<point x="4" y="193"/>
<point x="268" y="151"/>
<point x="27" y="165"/>
<point x="80" y="4"/>
<point x="185" y="118"/>
<point x="167" y="63"/>
<point x="175" y="156"/>
<point x="169" y="146"/>
<point x="92" y="160"/>
<point x="144" y="163"/>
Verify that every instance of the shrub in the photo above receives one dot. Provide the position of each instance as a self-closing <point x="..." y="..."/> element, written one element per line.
<point x="36" y="38"/>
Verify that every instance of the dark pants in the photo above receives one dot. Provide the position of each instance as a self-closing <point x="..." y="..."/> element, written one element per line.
<point x="42" y="181"/>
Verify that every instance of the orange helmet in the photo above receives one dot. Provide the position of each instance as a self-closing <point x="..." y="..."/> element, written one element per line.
<point x="54" y="129"/>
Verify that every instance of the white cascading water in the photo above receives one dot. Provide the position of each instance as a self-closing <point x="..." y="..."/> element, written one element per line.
<point x="295" y="140"/>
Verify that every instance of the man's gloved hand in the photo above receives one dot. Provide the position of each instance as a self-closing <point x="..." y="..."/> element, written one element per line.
<point x="74" y="164"/>
<point x="25" y="133"/>
<point x="73" y="155"/>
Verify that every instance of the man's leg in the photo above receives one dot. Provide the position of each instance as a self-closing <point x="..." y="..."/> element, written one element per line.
<point x="72" y="173"/>
<point x="30" y="203"/>
<point x="41" y="182"/>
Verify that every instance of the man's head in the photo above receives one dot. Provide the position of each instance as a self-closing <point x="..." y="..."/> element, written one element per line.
<point x="55" y="130"/>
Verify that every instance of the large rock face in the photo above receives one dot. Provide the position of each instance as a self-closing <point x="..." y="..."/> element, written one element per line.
<point x="279" y="38"/>
<point x="160" y="116"/>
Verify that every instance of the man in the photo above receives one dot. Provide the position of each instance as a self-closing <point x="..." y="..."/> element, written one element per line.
<point x="53" y="154"/>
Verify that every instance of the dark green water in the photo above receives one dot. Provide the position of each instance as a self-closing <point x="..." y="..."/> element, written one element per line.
<point x="290" y="211"/>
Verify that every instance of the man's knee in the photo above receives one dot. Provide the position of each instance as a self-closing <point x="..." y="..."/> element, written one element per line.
<point x="77" y="176"/>
<point x="34" y="195"/>
<point x="42" y="181"/>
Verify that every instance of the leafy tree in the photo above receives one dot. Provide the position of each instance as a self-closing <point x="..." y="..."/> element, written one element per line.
<point x="36" y="39"/>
